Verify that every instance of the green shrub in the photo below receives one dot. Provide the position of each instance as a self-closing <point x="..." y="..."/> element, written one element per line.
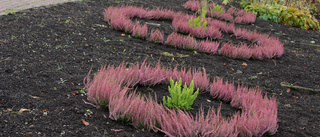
<point x="180" y="99"/>
<point x="217" y="8"/>
<point x="197" y="22"/>
<point x="289" y="16"/>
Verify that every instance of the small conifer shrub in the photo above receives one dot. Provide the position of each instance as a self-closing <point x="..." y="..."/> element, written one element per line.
<point x="180" y="99"/>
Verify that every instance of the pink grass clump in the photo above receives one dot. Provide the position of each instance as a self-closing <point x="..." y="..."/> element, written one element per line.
<point x="251" y="100"/>
<point x="233" y="11"/>
<point x="213" y="32"/>
<point x="181" y="26"/>
<point x="208" y="46"/>
<point x="241" y="51"/>
<point x="198" y="32"/>
<point x="221" y="90"/>
<point x="190" y="43"/>
<point x="149" y="75"/>
<point x="156" y="36"/>
<point x="158" y="14"/>
<point x="223" y="26"/>
<point x="192" y="5"/>
<point x="139" y="31"/>
<point x="133" y="11"/>
<point x="174" y="39"/>
<point x="246" y="18"/>
<point x="226" y="16"/>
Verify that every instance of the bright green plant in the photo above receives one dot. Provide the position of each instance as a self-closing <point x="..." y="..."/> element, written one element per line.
<point x="217" y="8"/>
<point x="204" y="7"/>
<point x="180" y="99"/>
<point x="197" y="22"/>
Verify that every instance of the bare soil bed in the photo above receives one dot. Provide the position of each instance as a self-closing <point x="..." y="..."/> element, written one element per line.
<point x="46" y="52"/>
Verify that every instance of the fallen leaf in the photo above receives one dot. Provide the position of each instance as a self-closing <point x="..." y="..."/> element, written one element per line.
<point x="85" y="122"/>
<point x="195" y="52"/>
<point x="244" y="64"/>
<point x="259" y="73"/>
<point x="123" y="34"/>
<point x="288" y="90"/>
<point x="232" y="69"/>
<point x="5" y="41"/>
<point x="28" y="133"/>
<point x="287" y="105"/>
<point x="35" y="97"/>
<point x="274" y="93"/>
<point x="116" y="130"/>
<point x="23" y="110"/>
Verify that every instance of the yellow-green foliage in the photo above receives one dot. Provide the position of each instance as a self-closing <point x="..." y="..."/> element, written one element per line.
<point x="197" y="22"/>
<point x="305" y="5"/>
<point x="287" y="15"/>
<point x="180" y="99"/>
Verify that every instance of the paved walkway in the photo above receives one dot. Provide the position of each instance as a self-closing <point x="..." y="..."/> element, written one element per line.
<point x="10" y="6"/>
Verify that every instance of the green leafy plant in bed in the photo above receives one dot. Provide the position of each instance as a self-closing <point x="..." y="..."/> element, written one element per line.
<point x="289" y="16"/>
<point x="197" y="22"/>
<point x="217" y="8"/>
<point x="180" y="99"/>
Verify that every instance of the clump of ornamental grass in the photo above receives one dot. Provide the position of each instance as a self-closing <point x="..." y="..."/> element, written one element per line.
<point x="174" y="40"/>
<point x="156" y="36"/>
<point x="140" y="32"/>
<point x="182" y="99"/>
<point x="208" y="46"/>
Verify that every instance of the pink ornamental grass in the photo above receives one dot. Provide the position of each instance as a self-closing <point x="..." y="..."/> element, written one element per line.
<point x="199" y="32"/>
<point x="140" y="31"/>
<point x="174" y="39"/>
<point x="226" y="16"/>
<point x="156" y="36"/>
<point x="221" y="90"/>
<point x="181" y="26"/>
<point x="213" y="33"/>
<point x="193" y="5"/>
<point x="178" y="123"/>
<point x="189" y="43"/>
<point x="149" y="75"/>
<point x="233" y="11"/>
<point x="158" y="14"/>
<point x="134" y="11"/>
<point x="241" y="51"/>
<point x="208" y="46"/>
<point x="246" y="18"/>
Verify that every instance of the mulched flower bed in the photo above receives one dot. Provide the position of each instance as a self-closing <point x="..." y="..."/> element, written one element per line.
<point x="45" y="54"/>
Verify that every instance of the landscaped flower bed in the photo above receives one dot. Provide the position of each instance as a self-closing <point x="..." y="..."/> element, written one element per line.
<point x="110" y="88"/>
<point x="263" y="46"/>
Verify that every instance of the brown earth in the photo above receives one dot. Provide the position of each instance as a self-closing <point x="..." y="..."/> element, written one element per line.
<point x="46" y="52"/>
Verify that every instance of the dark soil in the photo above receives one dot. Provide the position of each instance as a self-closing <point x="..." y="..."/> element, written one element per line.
<point x="46" y="52"/>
